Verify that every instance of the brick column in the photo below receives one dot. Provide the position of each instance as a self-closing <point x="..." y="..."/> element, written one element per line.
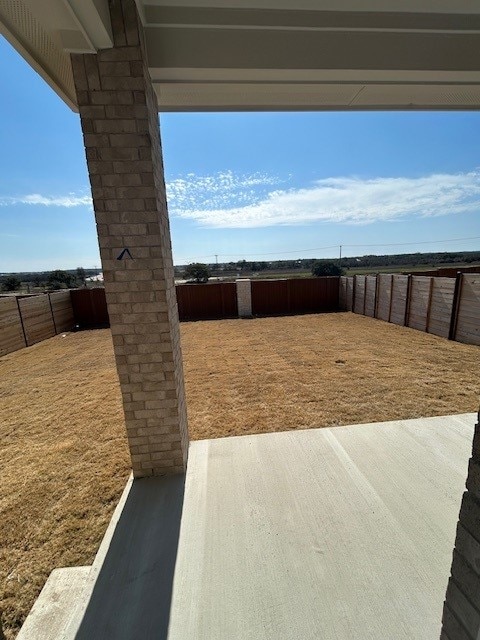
<point x="244" y="298"/>
<point x="119" y="116"/>
<point x="461" y="612"/>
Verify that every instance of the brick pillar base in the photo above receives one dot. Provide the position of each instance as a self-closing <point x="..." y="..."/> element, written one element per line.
<point x="461" y="612"/>
<point x="244" y="298"/>
<point x="118" y="110"/>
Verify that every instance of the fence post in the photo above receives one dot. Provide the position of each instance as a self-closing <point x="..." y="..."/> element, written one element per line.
<point x="429" y="304"/>
<point x="93" y="306"/>
<point x="21" y="321"/>
<point x="407" y="301"/>
<point x="457" y="294"/>
<point x="391" y="297"/>
<point x="375" y="306"/>
<point x="222" y="299"/>
<point x="244" y="297"/>
<point x="364" y="294"/>
<point x="53" y="317"/>
<point x="354" y="293"/>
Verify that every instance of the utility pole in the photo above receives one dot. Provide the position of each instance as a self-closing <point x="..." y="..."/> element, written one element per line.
<point x="340" y="258"/>
<point x="216" y="262"/>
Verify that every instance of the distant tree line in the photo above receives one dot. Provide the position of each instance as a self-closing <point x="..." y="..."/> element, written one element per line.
<point x="46" y="280"/>
<point x="196" y="272"/>
<point x="413" y="259"/>
<point x="321" y="268"/>
<point x="307" y="264"/>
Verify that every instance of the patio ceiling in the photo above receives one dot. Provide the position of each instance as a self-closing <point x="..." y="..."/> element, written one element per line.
<point x="221" y="55"/>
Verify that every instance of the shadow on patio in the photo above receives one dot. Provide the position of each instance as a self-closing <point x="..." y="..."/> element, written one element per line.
<point x="133" y="590"/>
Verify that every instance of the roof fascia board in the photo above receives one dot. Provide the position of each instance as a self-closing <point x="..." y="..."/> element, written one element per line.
<point x="141" y="12"/>
<point x="393" y="6"/>
<point x="18" y="45"/>
<point x="197" y="17"/>
<point x="289" y="50"/>
<point x="338" y="76"/>
<point x="93" y="19"/>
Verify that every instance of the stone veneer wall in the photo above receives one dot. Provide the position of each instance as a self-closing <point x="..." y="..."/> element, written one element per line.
<point x="119" y="116"/>
<point x="244" y="298"/>
<point x="461" y="612"/>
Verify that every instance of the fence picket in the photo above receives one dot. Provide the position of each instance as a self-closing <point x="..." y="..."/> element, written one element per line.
<point x="437" y="305"/>
<point x="427" y="303"/>
<point x="455" y="305"/>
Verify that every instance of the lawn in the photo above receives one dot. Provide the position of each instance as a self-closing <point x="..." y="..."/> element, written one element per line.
<point x="64" y="458"/>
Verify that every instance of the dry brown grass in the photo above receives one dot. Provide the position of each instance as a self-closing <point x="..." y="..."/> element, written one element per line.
<point x="64" y="459"/>
<point x="273" y="374"/>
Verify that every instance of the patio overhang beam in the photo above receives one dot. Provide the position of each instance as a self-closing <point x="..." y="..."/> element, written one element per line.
<point x="277" y="68"/>
<point x="240" y="55"/>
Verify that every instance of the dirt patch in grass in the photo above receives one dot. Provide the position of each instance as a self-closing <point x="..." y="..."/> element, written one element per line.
<point x="64" y="459"/>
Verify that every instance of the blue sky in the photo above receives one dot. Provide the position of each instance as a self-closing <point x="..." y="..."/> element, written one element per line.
<point x="253" y="186"/>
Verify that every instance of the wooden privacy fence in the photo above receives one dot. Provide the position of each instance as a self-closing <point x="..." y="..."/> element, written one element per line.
<point x="25" y="321"/>
<point x="446" y="272"/>
<point x="207" y="301"/>
<point x="195" y="302"/>
<point x="219" y="300"/>
<point x="447" y="307"/>
<point x="90" y="308"/>
<point x="297" y="295"/>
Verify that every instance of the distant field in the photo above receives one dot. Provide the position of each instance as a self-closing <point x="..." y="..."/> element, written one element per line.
<point x="273" y="275"/>
<point x="405" y="268"/>
<point x="352" y="271"/>
<point x="64" y="457"/>
<point x="366" y="270"/>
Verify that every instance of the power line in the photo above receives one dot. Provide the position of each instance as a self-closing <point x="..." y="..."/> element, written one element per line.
<point x="274" y="253"/>
<point x="336" y="246"/>
<point x="404" y="244"/>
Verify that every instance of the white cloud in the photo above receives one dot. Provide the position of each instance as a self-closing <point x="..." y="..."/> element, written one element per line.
<point x="184" y="193"/>
<point x="246" y="201"/>
<point x="224" y="189"/>
<point x="70" y="200"/>
<point x="346" y="200"/>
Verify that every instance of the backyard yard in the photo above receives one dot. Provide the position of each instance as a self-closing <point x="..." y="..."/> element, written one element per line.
<point x="64" y="459"/>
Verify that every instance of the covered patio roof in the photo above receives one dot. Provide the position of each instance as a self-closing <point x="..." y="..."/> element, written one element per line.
<point x="221" y="55"/>
<point x="331" y="534"/>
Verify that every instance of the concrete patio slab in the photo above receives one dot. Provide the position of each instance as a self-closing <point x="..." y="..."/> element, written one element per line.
<point x="319" y="534"/>
<point x="55" y="605"/>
